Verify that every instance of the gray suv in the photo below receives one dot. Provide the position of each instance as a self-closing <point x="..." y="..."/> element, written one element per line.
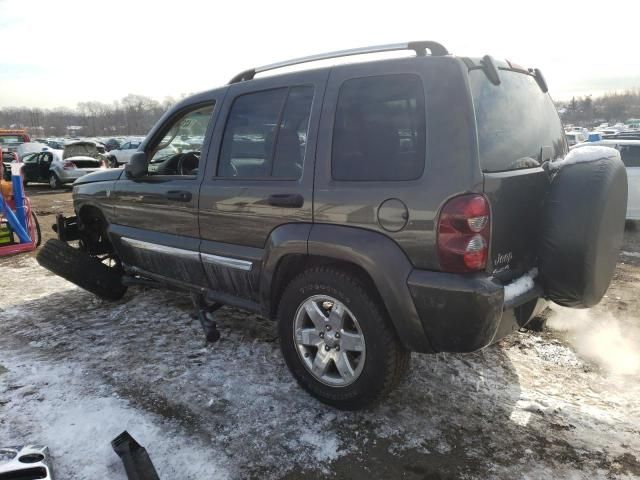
<point x="373" y="209"/>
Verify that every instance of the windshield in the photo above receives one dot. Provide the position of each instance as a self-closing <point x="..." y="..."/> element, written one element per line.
<point x="515" y="120"/>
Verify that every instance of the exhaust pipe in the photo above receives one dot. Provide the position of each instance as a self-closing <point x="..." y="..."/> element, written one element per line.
<point x="135" y="458"/>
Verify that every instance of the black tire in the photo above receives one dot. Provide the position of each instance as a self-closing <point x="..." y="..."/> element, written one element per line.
<point x="54" y="181"/>
<point x="386" y="360"/>
<point x="78" y="267"/>
<point x="583" y="229"/>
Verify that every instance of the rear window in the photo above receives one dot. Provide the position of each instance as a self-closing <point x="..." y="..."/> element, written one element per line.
<point x="515" y="121"/>
<point x="379" y="131"/>
<point x="630" y="155"/>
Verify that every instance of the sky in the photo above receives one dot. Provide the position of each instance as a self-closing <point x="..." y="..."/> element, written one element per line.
<point x="61" y="52"/>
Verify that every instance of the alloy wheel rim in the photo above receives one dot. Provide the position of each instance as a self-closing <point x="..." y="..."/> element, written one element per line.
<point x="329" y="341"/>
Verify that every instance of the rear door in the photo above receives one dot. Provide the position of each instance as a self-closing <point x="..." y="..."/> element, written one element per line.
<point x="518" y="129"/>
<point x="259" y="175"/>
<point x="630" y="154"/>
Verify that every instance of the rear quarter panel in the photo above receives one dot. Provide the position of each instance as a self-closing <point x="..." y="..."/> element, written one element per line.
<point x="450" y="165"/>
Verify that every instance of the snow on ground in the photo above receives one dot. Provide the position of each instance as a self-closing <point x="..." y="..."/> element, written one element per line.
<point x="76" y="371"/>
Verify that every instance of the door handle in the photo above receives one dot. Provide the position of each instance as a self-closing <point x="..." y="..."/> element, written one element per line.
<point x="179" y="195"/>
<point x="286" y="200"/>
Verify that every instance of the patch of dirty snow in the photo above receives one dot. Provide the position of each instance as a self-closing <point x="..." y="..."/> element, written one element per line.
<point x="54" y="406"/>
<point x="91" y="369"/>
<point x="520" y="285"/>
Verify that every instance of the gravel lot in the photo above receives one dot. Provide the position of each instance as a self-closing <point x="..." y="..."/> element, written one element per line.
<point x="76" y="371"/>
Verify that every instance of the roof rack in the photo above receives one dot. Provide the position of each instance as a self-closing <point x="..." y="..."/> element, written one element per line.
<point x="420" y="48"/>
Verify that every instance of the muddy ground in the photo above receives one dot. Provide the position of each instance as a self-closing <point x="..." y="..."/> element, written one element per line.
<point x="75" y="371"/>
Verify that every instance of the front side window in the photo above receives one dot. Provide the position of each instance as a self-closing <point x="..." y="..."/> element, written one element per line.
<point x="380" y="128"/>
<point x="178" y="153"/>
<point x="266" y="134"/>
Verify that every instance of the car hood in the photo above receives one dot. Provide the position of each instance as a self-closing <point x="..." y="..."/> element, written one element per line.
<point x="107" y="175"/>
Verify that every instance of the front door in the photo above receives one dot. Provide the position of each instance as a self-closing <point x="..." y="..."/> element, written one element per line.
<point x="259" y="175"/>
<point x="155" y="224"/>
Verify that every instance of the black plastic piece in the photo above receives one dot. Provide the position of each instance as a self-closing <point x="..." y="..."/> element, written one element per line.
<point x="421" y="47"/>
<point x="66" y="228"/>
<point x="490" y="69"/>
<point x="135" y="458"/>
<point x="542" y="83"/>
<point x="243" y="76"/>
<point x="205" y="315"/>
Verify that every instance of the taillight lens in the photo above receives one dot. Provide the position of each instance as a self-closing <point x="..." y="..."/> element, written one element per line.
<point x="464" y="227"/>
<point x="68" y="165"/>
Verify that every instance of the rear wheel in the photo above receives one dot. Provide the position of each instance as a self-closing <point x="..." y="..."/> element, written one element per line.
<point x="82" y="269"/>
<point x="337" y="340"/>
<point x="54" y="181"/>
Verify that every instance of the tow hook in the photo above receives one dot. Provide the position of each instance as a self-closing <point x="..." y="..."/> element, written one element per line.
<point x="206" y="316"/>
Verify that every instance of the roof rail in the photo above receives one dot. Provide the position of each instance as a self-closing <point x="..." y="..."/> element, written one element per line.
<point x="420" y="48"/>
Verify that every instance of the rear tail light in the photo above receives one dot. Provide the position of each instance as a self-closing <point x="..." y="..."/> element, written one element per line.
<point x="464" y="226"/>
<point x="68" y="165"/>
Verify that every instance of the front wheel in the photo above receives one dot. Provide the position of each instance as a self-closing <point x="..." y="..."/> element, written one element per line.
<point x="337" y="340"/>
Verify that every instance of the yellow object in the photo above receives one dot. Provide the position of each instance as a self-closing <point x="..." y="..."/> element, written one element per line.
<point x="6" y="188"/>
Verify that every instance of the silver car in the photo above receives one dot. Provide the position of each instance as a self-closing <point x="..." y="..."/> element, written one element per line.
<point x="58" y="167"/>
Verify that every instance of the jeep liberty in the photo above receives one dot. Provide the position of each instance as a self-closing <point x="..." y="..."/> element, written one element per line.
<point x="373" y="209"/>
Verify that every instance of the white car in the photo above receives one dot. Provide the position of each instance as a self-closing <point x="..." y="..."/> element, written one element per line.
<point x="630" y="153"/>
<point x="122" y="154"/>
<point x="573" y="138"/>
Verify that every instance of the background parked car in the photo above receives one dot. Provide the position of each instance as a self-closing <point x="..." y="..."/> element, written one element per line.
<point x="574" y="138"/>
<point x="58" y="167"/>
<point x="630" y="153"/>
<point x="122" y="154"/>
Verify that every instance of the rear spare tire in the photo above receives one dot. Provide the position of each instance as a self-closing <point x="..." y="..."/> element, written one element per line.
<point x="78" y="267"/>
<point x="583" y="228"/>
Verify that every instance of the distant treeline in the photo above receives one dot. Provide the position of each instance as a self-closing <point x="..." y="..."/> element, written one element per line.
<point x="610" y="108"/>
<point x="134" y="114"/>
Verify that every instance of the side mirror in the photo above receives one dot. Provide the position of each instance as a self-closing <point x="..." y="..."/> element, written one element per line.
<point x="137" y="166"/>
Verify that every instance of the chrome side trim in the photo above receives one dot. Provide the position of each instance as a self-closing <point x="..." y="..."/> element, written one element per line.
<point x="244" y="265"/>
<point x="235" y="263"/>
<point x="154" y="247"/>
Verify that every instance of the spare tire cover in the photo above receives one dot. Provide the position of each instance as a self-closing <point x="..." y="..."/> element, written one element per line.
<point x="582" y="231"/>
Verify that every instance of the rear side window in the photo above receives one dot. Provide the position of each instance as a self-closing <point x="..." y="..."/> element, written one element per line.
<point x="379" y="131"/>
<point x="515" y="120"/>
<point x="266" y="134"/>
<point x="630" y="155"/>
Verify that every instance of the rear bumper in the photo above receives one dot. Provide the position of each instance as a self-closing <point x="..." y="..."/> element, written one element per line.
<point x="464" y="313"/>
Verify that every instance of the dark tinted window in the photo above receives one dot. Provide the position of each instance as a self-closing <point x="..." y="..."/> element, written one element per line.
<point x="266" y="134"/>
<point x="379" y="131"/>
<point x="515" y="120"/>
<point x="630" y="155"/>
